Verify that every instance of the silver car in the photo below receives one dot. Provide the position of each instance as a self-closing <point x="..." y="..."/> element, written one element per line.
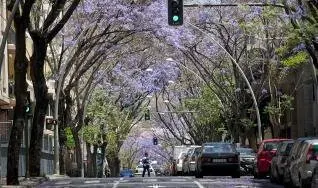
<point x="180" y="162"/>
<point x="302" y="172"/>
<point x="189" y="163"/>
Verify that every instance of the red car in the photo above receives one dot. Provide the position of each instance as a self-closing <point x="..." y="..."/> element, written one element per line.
<point x="264" y="156"/>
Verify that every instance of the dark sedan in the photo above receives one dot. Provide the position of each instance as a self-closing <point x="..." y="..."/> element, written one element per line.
<point x="218" y="158"/>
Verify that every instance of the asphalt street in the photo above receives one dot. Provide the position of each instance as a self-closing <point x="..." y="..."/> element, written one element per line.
<point x="162" y="182"/>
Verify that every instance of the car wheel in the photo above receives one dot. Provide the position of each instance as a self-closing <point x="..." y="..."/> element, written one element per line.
<point x="237" y="175"/>
<point x="272" y="175"/>
<point x="255" y="174"/>
<point x="305" y="184"/>
<point x="198" y="174"/>
<point x="314" y="182"/>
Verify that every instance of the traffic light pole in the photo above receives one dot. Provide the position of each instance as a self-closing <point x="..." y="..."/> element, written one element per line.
<point x="26" y="142"/>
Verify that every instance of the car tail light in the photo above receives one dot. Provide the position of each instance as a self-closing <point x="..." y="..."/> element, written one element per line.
<point x="233" y="159"/>
<point x="309" y="154"/>
<point x="312" y="153"/>
<point x="205" y="159"/>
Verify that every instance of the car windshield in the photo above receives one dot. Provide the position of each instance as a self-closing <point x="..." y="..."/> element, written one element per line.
<point x="245" y="151"/>
<point x="218" y="148"/>
<point x="268" y="146"/>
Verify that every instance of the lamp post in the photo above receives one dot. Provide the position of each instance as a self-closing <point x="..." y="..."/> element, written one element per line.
<point x="258" y="117"/>
<point x="194" y="73"/>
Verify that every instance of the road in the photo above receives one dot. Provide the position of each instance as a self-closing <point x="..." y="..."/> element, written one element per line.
<point x="162" y="182"/>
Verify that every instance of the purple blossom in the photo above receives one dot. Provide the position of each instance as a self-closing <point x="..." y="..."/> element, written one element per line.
<point x="299" y="47"/>
<point x="264" y="91"/>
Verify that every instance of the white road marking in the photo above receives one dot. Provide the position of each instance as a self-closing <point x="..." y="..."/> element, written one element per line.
<point x="117" y="183"/>
<point x="92" y="181"/>
<point x="178" y="179"/>
<point x="207" y="180"/>
<point x="150" y="180"/>
<point x="156" y="186"/>
<point x="63" y="182"/>
<point x="123" y="181"/>
<point x="241" y="186"/>
<point x="199" y="184"/>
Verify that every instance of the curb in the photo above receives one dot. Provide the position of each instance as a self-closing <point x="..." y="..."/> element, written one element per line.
<point x="54" y="177"/>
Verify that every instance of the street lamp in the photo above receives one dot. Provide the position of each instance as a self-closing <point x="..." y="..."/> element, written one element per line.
<point x="258" y="117"/>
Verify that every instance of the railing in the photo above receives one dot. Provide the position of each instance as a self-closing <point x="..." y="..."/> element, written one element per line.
<point x="5" y="127"/>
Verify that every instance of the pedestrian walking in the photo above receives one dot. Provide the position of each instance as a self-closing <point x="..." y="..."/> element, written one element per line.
<point x="146" y="165"/>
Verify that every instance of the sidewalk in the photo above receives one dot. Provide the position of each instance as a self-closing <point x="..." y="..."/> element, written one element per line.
<point x="31" y="182"/>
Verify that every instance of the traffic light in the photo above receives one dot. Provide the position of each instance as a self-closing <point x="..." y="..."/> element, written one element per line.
<point x="155" y="141"/>
<point x="28" y="106"/>
<point x="147" y="114"/>
<point x="175" y="12"/>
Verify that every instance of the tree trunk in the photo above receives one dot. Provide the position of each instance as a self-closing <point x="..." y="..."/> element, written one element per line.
<point x="89" y="165"/>
<point x="103" y="155"/>
<point x="20" y="89"/>
<point x="275" y="127"/>
<point x="94" y="162"/>
<point x="91" y="161"/>
<point x="114" y="164"/>
<point x="62" y="135"/>
<point x="40" y="90"/>
<point x="252" y="139"/>
<point x="78" y="151"/>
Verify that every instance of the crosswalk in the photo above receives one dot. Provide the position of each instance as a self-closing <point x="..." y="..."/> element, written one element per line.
<point x="159" y="182"/>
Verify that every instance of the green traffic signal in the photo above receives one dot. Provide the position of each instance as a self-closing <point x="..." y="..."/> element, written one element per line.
<point x="27" y="109"/>
<point x="175" y="12"/>
<point x="175" y="18"/>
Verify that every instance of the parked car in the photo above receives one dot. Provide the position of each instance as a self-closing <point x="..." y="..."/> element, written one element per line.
<point x="127" y="173"/>
<point x="264" y="157"/>
<point x="179" y="162"/>
<point x="279" y="161"/>
<point x="247" y="159"/>
<point x="314" y="181"/>
<point x="194" y="157"/>
<point x="218" y="158"/>
<point x="185" y="162"/>
<point x="189" y="164"/>
<point x="301" y="174"/>
<point x="292" y="158"/>
<point x="140" y="169"/>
